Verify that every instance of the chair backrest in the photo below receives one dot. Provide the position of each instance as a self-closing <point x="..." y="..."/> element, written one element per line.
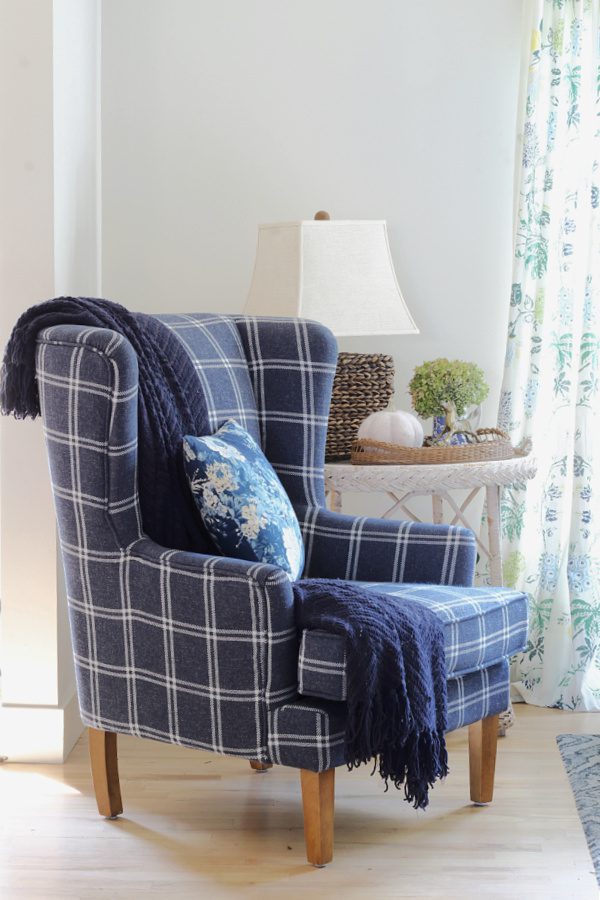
<point x="274" y="376"/>
<point x="214" y="344"/>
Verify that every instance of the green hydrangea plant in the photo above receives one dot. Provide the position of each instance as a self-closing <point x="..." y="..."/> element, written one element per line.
<point x="441" y="380"/>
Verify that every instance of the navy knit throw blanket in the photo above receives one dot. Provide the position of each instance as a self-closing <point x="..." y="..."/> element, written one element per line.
<point x="170" y="404"/>
<point x="396" y="692"/>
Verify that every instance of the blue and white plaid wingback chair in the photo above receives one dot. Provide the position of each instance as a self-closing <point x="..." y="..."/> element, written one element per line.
<point x="203" y="651"/>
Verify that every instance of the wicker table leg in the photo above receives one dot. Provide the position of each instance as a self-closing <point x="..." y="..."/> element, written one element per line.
<point x="334" y="500"/>
<point x="506" y="719"/>
<point x="492" y="493"/>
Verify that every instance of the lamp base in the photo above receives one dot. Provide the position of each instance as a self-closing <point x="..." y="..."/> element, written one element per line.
<point x="363" y="383"/>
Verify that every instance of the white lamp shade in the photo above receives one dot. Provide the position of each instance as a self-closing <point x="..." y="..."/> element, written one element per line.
<point x="338" y="272"/>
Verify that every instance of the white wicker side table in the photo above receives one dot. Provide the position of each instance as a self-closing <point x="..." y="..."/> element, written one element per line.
<point x="402" y="483"/>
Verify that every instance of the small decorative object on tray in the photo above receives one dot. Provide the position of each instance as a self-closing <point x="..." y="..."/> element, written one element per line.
<point x="394" y="427"/>
<point x="451" y="392"/>
<point x="364" y="383"/>
<point x="489" y="443"/>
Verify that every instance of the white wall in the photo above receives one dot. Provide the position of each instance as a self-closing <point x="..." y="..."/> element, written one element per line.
<point x="77" y="175"/>
<point x="49" y="243"/>
<point x="77" y="169"/>
<point x="26" y="234"/>
<point x="217" y="116"/>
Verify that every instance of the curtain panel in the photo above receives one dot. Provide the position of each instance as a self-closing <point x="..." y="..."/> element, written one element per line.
<point x="551" y="526"/>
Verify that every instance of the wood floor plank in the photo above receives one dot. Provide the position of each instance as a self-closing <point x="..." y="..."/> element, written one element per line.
<point x="201" y="825"/>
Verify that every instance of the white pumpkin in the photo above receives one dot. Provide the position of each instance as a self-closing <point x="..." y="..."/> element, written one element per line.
<point x="392" y="427"/>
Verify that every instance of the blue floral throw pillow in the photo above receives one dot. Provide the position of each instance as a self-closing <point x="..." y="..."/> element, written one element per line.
<point x="241" y="500"/>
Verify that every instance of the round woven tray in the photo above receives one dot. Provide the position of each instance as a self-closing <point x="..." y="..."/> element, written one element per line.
<point x="378" y="453"/>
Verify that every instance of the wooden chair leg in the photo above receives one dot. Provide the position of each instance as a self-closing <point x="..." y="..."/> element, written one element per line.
<point x="105" y="772"/>
<point x="260" y="766"/>
<point x="483" y="740"/>
<point x="318" y="801"/>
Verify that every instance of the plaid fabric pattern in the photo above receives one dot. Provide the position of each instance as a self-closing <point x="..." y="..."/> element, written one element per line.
<point x="215" y="345"/>
<point x="176" y="646"/>
<point x="192" y="649"/>
<point x="322" y="665"/>
<point x="292" y="364"/>
<point x="481" y="626"/>
<point x="310" y="735"/>
<point x="357" y="548"/>
<point x="478" y="695"/>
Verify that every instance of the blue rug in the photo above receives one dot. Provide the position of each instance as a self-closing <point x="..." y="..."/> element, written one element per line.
<point x="581" y="757"/>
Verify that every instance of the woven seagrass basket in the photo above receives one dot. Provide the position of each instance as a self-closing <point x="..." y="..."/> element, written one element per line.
<point x="363" y="383"/>
<point x="377" y="453"/>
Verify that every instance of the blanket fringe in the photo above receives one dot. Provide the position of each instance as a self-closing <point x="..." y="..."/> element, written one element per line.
<point x="374" y="735"/>
<point x="396" y="687"/>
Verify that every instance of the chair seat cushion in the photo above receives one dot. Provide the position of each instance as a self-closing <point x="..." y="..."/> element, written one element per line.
<point x="481" y="626"/>
<point x="309" y="734"/>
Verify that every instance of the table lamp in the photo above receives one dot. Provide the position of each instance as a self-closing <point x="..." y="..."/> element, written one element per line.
<point x="340" y="273"/>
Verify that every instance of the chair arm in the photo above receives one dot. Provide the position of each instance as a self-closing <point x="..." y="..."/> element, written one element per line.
<point x="242" y="614"/>
<point x="213" y="570"/>
<point x="366" y="549"/>
<point x="182" y="647"/>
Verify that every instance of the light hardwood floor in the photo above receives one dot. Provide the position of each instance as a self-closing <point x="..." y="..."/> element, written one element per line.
<point x="199" y="825"/>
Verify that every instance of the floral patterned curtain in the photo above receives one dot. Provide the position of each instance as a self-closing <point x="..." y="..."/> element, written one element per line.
<point x="551" y="526"/>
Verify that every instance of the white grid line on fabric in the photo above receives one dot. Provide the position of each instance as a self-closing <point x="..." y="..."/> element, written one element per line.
<point x="212" y="649"/>
<point x="322" y="666"/>
<point x="206" y="365"/>
<point x="403" y="539"/>
<point x="308" y="366"/>
<point x="79" y="516"/>
<point x="169" y="646"/>
<point x="479" y="595"/>
<point x="222" y="363"/>
<point x="86" y="443"/>
<point x="133" y="673"/>
<point x="321" y="739"/>
<point x="257" y="373"/>
<point x="259" y="679"/>
<point x="289" y="469"/>
<point x="273" y="737"/>
<point x="289" y="418"/>
<point x="354" y="548"/>
<point x="115" y="506"/>
<point x="179" y="321"/>
<point x="307" y="529"/>
<point x="482" y="695"/>
<point x="136" y="550"/>
<point x="86" y="333"/>
<point x="317" y="741"/>
<point x="402" y="534"/>
<point x="309" y="423"/>
<point x="108" y="724"/>
<point x="80" y="385"/>
<point x="128" y="644"/>
<point x="205" y="383"/>
<point x="224" y="634"/>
